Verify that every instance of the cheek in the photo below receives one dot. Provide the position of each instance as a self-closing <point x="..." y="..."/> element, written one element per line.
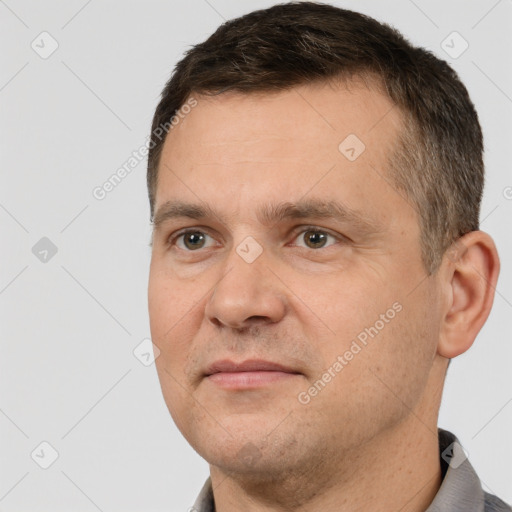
<point x="380" y="384"/>
<point x="170" y="300"/>
<point x="342" y="309"/>
<point x="398" y="359"/>
<point x="387" y="342"/>
<point x="172" y="311"/>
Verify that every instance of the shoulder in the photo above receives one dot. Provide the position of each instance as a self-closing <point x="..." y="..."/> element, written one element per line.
<point x="494" y="504"/>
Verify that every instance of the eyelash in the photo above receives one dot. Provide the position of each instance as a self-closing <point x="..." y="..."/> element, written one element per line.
<point x="173" y="238"/>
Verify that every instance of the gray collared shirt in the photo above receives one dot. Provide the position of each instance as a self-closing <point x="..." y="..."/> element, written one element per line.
<point x="460" y="491"/>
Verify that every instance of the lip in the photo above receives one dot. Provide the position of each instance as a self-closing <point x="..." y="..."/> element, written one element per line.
<point x="248" y="374"/>
<point x="250" y="365"/>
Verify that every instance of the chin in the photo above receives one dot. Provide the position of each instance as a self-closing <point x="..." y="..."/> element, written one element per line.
<point x="249" y="452"/>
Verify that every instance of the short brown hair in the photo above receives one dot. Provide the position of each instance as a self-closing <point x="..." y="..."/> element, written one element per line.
<point x="438" y="158"/>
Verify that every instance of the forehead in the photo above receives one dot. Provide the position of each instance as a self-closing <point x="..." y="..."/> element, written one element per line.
<point x="233" y="150"/>
<point x="319" y="115"/>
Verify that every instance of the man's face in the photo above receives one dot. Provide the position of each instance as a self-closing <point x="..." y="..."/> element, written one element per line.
<point x="305" y="291"/>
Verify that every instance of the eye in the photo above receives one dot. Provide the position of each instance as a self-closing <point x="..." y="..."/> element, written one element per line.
<point x="190" y="240"/>
<point x="315" y="238"/>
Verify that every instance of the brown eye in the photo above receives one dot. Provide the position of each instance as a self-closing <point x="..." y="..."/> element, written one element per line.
<point x="312" y="237"/>
<point x="315" y="239"/>
<point x="193" y="240"/>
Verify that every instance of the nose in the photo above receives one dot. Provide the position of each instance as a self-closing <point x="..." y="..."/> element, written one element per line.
<point x="247" y="294"/>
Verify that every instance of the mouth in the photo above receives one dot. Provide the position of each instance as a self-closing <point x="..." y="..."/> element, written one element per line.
<point x="248" y="374"/>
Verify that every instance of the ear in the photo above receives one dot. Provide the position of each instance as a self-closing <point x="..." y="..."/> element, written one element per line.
<point x="469" y="273"/>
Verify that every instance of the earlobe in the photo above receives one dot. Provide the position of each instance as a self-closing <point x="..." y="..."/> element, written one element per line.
<point x="469" y="271"/>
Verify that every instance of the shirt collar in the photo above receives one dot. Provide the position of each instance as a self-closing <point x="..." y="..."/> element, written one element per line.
<point x="460" y="491"/>
<point x="204" y="501"/>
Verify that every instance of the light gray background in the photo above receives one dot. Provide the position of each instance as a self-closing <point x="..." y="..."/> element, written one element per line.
<point x="69" y="325"/>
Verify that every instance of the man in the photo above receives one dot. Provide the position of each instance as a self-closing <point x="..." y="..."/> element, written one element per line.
<point x="315" y="185"/>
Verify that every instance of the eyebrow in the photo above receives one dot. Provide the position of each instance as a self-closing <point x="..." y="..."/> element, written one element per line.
<point x="272" y="213"/>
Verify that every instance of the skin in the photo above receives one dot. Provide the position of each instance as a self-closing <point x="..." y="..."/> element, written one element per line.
<point x="368" y="439"/>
